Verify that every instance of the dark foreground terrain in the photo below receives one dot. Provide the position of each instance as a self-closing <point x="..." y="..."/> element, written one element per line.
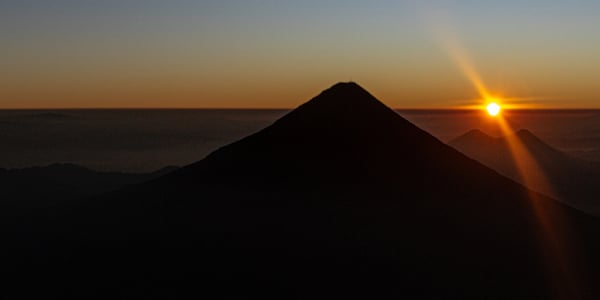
<point x="340" y="198"/>
<point x="39" y="186"/>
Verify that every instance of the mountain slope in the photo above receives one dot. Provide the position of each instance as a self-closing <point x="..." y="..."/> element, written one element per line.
<point x="38" y="186"/>
<point x="571" y="180"/>
<point x="340" y="198"/>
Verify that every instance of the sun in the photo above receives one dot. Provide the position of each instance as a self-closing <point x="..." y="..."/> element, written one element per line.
<point x="493" y="109"/>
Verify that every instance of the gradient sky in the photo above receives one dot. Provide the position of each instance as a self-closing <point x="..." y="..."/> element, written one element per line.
<point x="251" y="53"/>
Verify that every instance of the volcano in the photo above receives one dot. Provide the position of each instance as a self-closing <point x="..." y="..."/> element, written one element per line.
<point x="340" y="198"/>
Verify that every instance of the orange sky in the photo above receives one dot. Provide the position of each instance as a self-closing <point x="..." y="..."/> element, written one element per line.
<point x="67" y="54"/>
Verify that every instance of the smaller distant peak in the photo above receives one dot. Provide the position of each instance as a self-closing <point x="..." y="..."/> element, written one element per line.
<point x="476" y="133"/>
<point x="472" y="136"/>
<point x="524" y="132"/>
<point x="530" y="140"/>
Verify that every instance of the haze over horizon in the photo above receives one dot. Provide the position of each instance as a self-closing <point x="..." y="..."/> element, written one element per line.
<point x="269" y="54"/>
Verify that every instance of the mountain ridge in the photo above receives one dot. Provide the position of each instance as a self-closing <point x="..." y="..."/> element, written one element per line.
<point x="327" y="121"/>
<point x="329" y="201"/>
<point x="569" y="179"/>
<point x="43" y="186"/>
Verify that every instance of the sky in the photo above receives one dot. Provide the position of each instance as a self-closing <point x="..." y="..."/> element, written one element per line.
<point x="278" y="54"/>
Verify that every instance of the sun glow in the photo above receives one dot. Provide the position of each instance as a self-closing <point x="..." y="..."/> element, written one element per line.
<point x="554" y="238"/>
<point x="493" y="109"/>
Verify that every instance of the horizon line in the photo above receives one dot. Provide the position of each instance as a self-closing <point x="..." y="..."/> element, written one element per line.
<point x="291" y="108"/>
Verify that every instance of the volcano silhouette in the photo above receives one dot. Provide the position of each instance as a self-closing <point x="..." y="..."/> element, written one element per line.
<point x="340" y="198"/>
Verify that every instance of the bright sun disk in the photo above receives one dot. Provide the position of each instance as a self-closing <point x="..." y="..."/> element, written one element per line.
<point x="493" y="109"/>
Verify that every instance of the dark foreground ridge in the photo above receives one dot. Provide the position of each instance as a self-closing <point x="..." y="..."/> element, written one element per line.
<point x="35" y="187"/>
<point x="340" y="198"/>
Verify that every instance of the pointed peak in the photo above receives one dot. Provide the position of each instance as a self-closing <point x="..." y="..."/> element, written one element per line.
<point x="344" y="96"/>
<point x="345" y="108"/>
<point x="537" y="146"/>
<point x="524" y="133"/>
<point x="528" y="136"/>
<point x="344" y="93"/>
<point x="476" y="133"/>
<point x="472" y="136"/>
<point x="346" y="85"/>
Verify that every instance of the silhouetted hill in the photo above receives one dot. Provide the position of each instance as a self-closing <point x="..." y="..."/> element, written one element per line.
<point x="540" y="150"/>
<point x="37" y="187"/>
<point x="340" y="198"/>
<point x="572" y="180"/>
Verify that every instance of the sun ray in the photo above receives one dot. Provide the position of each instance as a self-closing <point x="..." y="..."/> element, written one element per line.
<point x="558" y="245"/>
<point x="554" y="243"/>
